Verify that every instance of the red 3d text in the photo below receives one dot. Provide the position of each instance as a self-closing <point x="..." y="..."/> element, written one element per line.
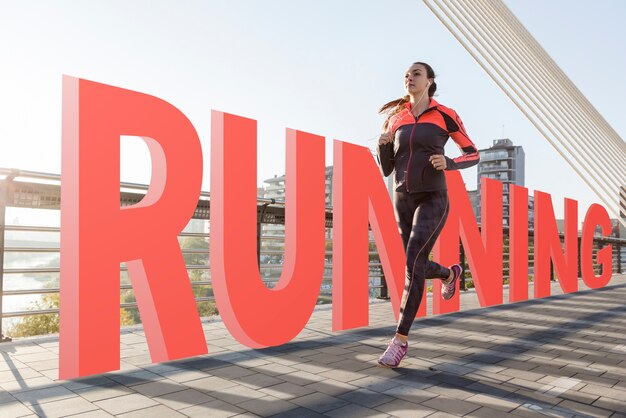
<point x="97" y="234"/>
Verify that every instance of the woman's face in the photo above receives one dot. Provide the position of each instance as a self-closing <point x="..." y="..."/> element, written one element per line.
<point x="415" y="79"/>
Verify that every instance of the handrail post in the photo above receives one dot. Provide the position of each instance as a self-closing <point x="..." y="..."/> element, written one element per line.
<point x="259" y="231"/>
<point x="462" y="260"/>
<point x="4" y="198"/>
<point x="384" y="290"/>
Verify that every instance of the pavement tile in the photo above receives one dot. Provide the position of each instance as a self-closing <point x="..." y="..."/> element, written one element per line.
<point x="523" y="384"/>
<point x="286" y="390"/>
<point x="410" y="394"/>
<point x="354" y="365"/>
<point x="596" y="380"/>
<point x="380" y="384"/>
<point x="14" y="409"/>
<point x="451" y="405"/>
<point x="319" y="402"/>
<point x="341" y="375"/>
<point x="93" y="414"/>
<point x="606" y="392"/>
<point x="267" y="405"/>
<point x="331" y="387"/>
<point x="86" y="382"/>
<point x="354" y="411"/>
<point x="64" y="407"/>
<point x="213" y="409"/>
<point x="302" y="378"/>
<point x="158" y="388"/>
<point x="160" y="411"/>
<point x="232" y="372"/>
<point x="15" y="349"/>
<point x="210" y="384"/>
<point x="134" y="378"/>
<point x="183" y="399"/>
<point x="584" y="409"/>
<point x="19" y="385"/>
<point x="259" y="380"/>
<point x="452" y="380"/>
<point x="527" y="396"/>
<point x="515" y="364"/>
<point x="204" y="363"/>
<point x="493" y="402"/>
<point x="15" y="374"/>
<point x="6" y="397"/>
<point x="237" y="394"/>
<point x="27" y="359"/>
<point x="610" y="404"/>
<point x="451" y="391"/>
<point x="99" y="393"/>
<point x="126" y="403"/>
<point x="46" y="364"/>
<point x="524" y="374"/>
<point x="365" y="397"/>
<point x="275" y="369"/>
<point x="184" y="375"/>
<point x="299" y="412"/>
<point x="580" y="397"/>
<point x="485" y="412"/>
<point x="39" y="396"/>
<point x="404" y="409"/>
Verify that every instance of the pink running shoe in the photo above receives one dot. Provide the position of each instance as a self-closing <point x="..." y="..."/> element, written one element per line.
<point x="449" y="289"/>
<point x="394" y="353"/>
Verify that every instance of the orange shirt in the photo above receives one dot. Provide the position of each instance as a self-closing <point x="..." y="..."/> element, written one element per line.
<point x="416" y="139"/>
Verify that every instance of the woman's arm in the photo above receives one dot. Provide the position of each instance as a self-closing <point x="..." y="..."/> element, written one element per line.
<point x="470" y="155"/>
<point x="385" y="154"/>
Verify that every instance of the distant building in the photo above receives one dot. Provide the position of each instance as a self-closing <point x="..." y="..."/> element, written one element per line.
<point x="504" y="162"/>
<point x="474" y="200"/>
<point x="275" y="189"/>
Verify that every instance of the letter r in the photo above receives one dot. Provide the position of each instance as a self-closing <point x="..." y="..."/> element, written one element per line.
<point x="97" y="234"/>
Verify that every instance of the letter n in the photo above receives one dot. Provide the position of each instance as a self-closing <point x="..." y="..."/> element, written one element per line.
<point x="97" y="234"/>
<point x="518" y="243"/>
<point x="548" y="246"/>
<point x="359" y="195"/>
<point x="256" y="315"/>
<point x="484" y="253"/>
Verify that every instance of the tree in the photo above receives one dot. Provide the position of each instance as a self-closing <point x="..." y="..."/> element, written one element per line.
<point x="39" y="324"/>
<point x="205" y="308"/>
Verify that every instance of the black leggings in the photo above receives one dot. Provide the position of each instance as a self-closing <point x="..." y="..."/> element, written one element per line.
<point x="421" y="217"/>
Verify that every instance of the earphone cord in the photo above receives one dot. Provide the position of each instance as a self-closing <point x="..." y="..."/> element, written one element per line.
<point x="420" y="99"/>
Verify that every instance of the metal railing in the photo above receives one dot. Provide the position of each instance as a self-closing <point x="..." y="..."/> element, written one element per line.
<point x="33" y="190"/>
<point x="42" y="191"/>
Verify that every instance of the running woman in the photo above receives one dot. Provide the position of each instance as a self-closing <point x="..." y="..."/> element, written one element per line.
<point x="412" y="145"/>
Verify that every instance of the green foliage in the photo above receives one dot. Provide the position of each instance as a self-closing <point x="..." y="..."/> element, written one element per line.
<point x="38" y="324"/>
<point x="49" y="323"/>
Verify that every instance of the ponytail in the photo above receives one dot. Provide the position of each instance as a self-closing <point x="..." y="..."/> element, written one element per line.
<point x="393" y="107"/>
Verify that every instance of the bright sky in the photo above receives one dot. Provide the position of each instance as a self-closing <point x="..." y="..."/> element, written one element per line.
<point x="322" y="66"/>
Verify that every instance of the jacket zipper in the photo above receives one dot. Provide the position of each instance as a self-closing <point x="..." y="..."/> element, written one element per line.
<point x="408" y="165"/>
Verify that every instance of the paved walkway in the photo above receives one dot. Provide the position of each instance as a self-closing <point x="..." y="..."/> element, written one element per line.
<point x="563" y="356"/>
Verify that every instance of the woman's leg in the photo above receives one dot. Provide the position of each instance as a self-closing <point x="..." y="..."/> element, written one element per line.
<point x="428" y="221"/>
<point x="429" y="216"/>
<point x="437" y="271"/>
<point x="404" y="206"/>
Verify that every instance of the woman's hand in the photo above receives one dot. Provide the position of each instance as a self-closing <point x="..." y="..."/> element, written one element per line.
<point x="385" y="138"/>
<point x="438" y="161"/>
